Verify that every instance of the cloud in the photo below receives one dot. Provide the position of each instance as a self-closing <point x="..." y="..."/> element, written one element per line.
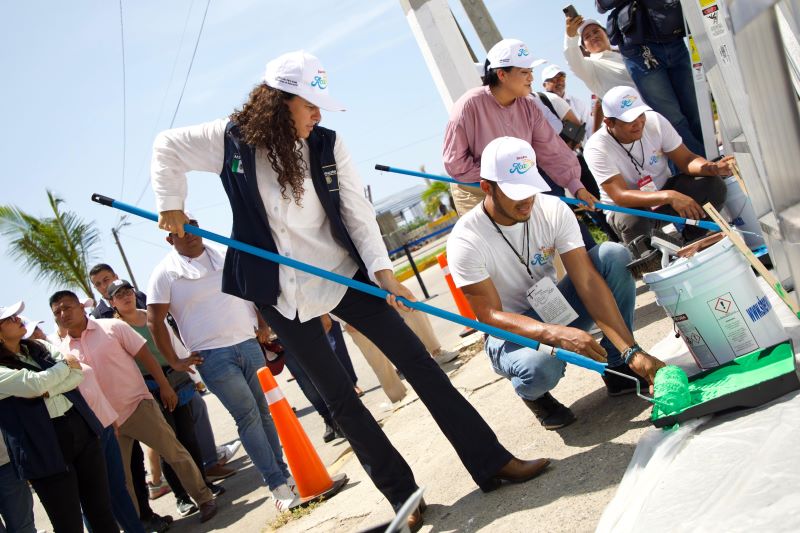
<point x="340" y="31"/>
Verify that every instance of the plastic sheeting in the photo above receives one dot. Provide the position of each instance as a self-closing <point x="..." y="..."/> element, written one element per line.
<point x="734" y="472"/>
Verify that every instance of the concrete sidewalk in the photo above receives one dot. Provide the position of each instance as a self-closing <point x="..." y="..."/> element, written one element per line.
<point x="590" y="456"/>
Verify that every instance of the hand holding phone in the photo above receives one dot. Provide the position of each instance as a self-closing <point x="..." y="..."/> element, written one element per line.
<point x="570" y="11"/>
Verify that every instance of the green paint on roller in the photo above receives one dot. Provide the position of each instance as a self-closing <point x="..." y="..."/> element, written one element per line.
<point x="729" y="379"/>
<point x="671" y="388"/>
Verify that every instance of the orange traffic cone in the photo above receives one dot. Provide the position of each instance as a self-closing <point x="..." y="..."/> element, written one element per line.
<point x="464" y="308"/>
<point x="311" y="476"/>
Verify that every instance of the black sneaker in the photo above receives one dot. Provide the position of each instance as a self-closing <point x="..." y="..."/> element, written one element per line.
<point x="330" y="433"/>
<point x="157" y="524"/>
<point x="619" y="386"/>
<point x="216" y="490"/>
<point x="185" y="506"/>
<point x="551" y="413"/>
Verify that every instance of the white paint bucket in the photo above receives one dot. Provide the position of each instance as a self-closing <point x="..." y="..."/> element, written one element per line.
<point x="739" y="212"/>
<point x="717" y="305"/>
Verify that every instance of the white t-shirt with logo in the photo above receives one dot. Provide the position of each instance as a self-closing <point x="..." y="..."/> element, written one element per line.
<point x="475" y="250"/>
<point x="607" y="158"/>
<point x="207" y="318"/>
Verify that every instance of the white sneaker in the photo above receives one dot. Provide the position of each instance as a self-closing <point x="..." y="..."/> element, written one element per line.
<point x="226" y="453"/>
<point x="444" y="356"/>
<point x="285" y="499"/>
<point x="291" y="482"/>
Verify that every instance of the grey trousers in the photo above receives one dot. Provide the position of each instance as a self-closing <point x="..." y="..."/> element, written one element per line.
<point x="701" y="190"/>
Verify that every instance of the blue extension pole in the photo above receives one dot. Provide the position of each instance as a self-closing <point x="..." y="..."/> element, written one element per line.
<point x="710" y="226"/>
<point x="564" y="355"/>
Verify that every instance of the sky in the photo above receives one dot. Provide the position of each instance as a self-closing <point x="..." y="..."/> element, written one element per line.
<point x="75" y="125"/>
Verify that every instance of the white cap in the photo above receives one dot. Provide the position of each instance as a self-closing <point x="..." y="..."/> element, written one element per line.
<point x="624" y="103"/>
<point x="30" y="326"/>
<point x="551" y="71"/>
<point x="511" y="163"/>
<point x="511" y="53"/>
<point x="585" y="24"/>
<point x="11" y="310"/>
<point x="302" y="74"/>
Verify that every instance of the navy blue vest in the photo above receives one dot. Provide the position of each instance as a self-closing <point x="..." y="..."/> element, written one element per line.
<point x="31" y="439"/>
<point x="253" y="278"/>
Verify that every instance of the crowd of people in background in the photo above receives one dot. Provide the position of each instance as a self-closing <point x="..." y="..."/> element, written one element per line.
<point x="117" y="391"/>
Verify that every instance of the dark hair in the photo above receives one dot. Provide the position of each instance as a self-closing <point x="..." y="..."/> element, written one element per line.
<point x="490" y="76"/>
<point x="60" y="295"/>
<point x="265" y="122"/>
<point x="9" y="359"/>
<point x="99" y="267"/>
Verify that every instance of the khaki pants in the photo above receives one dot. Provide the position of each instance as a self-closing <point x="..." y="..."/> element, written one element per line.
<point x="383" y="368"/>
<point x="465" y="197"/>
<point x="148" y="426"/>
<point x="421" y="326"/>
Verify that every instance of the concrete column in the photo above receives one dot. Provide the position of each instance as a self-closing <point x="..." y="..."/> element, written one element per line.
<point x="442" y="46"/>
<point x="482" y="22"/>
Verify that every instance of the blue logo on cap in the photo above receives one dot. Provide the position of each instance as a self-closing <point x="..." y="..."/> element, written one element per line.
<point x="522" y="52"/>
<point x="320" y="81"/>
<point x="521" y="167"/>
<point x="627" y="101"/>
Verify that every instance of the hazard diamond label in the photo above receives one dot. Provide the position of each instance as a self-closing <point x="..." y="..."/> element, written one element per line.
<point x="722" y="305"/>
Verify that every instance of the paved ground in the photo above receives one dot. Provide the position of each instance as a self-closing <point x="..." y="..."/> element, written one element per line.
<point x="590" y="456"/>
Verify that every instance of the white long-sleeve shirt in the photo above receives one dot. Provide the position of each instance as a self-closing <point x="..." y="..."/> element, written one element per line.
<point x="300" y="232"/>
<point x="600" y="72"/>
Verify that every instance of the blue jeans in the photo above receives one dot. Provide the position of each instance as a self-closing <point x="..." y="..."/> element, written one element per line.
<point x="669" y="88"/>
<point x="121" y="503"/>
<point x="533" y="372"/>
<point x="16" y="502"/>
<point x="230" y="373"/>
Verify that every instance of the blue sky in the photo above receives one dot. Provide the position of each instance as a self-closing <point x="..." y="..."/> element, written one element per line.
<point x="62" y="98"/>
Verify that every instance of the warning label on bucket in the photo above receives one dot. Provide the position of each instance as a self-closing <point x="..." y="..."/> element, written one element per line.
<point x="732" y="323"/>
<point x="697" y="345"/>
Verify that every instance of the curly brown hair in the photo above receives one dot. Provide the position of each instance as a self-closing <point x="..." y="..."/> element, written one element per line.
<point x="265" y="122"/>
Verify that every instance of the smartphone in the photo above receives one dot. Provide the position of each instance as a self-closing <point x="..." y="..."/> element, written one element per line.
<point x="570" y="11"/>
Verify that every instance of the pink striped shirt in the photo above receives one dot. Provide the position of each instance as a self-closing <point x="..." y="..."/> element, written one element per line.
<point x="477" y="119"/>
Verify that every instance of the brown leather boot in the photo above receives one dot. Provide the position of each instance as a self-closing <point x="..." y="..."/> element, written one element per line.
<point x="515" y="471"/>
<point x="415" y="519"/>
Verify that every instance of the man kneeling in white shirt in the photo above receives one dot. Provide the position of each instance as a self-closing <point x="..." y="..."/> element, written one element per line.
<point x="501" y="254"/>
<point x="629" y="157"/>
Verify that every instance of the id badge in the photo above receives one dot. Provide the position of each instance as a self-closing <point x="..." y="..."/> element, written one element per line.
<point x="549" y="303"/>
<point x="646" y="184"/>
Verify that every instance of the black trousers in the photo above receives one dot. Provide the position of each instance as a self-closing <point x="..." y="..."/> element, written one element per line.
<point x="83" y="486"/>
<point x="474" y="441"/>
<point x="182" y="423"/>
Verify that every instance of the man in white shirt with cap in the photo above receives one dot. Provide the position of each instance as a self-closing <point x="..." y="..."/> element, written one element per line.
<point x="501" y="255"/>
<point x="629" y="158"/>
<point x="554" y="81"/>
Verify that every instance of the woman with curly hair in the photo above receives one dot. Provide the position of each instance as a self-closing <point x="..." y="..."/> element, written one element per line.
<point x="51" y="432"/>
<point x="294" y="190"/>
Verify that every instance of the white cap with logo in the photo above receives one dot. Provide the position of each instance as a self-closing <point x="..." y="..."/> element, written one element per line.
<point x="551" y="71"/>
<point x="624" y="103"/>
<point x="511" y="163"/>
<point x="511" y="53"/>
<point x="302" y="74"/>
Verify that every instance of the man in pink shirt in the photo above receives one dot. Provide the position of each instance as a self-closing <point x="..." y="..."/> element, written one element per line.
<point x="503" y="106"/>
<point x="109" y="346"/>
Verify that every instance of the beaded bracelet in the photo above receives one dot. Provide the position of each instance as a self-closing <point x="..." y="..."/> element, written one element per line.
<point x="630" y="352"/>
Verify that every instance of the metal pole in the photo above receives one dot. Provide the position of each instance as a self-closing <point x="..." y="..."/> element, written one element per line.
<point x="416" y="272"/>
<point x="124" y="257"/>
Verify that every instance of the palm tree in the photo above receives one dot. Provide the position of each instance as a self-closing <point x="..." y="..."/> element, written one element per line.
<point x="57" y="249"/>
<point x="432" y="197"/>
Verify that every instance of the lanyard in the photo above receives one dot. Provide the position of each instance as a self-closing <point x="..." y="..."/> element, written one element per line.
<point x="526" y="243"/>
<point x="636" y="165"/>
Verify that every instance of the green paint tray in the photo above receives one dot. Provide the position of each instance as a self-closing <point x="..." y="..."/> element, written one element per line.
<point x="748" y="381"/>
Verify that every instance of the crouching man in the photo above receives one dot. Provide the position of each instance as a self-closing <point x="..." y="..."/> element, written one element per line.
<point x="501" y="254"/>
